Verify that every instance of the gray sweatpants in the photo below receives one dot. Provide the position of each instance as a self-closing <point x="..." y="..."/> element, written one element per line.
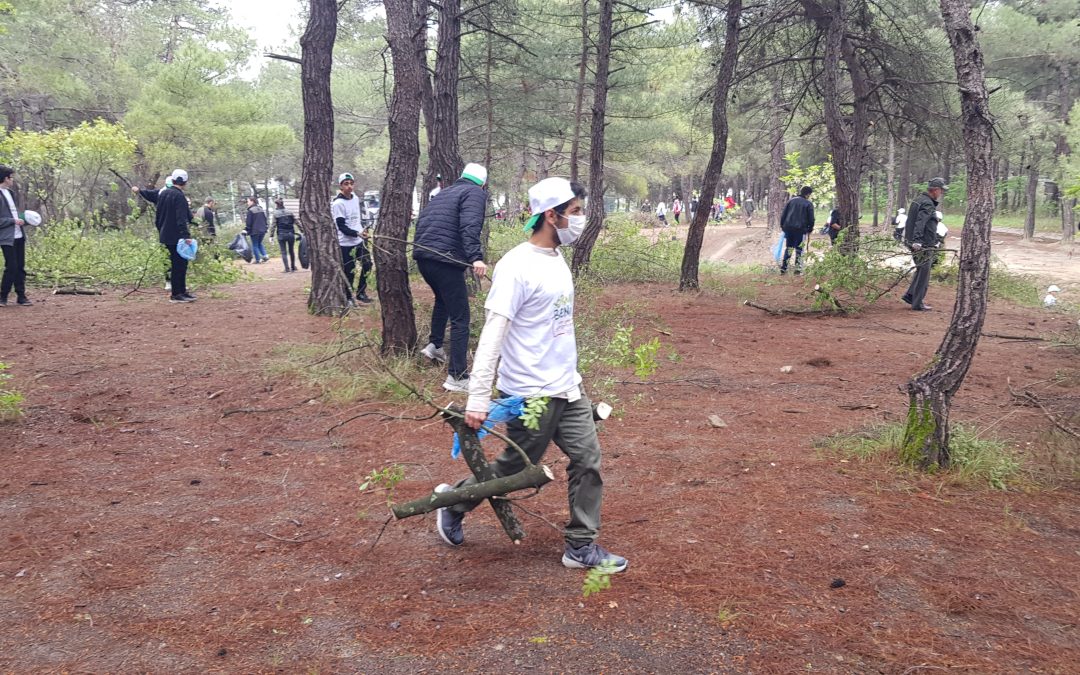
<point x="571" y="427"/>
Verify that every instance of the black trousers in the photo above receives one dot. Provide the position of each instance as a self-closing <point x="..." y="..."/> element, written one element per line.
<point x="447" y="282"/>
<point x="920" y="283"/>
<point x="178" y="272"/>
<point x="793" y="241"/>
<point x="287" y="243"/>
<point x="14" y="269"/>
<point x="349" y="256"/>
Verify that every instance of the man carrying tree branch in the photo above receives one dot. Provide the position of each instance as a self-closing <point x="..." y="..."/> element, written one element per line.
<point x="920" y="234"/>
<point x="530" y="325"/>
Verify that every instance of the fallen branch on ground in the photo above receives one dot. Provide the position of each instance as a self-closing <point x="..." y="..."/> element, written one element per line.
<point x="1031" y="399"/>
<point x="794" y="312"/>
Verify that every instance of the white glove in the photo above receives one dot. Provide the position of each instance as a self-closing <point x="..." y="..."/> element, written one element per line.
<point x="938" y="215"/>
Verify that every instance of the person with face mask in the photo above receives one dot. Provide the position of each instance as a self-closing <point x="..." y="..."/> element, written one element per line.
<point x="529" y="332"/>
<point x="447" y="242"/>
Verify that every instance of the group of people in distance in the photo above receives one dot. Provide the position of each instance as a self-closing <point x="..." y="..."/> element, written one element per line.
<point x="920" y="228"/>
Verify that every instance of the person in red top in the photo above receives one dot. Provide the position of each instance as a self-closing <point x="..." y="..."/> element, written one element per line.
<point x="729" y="202"/>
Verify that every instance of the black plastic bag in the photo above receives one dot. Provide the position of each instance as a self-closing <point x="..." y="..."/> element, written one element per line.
<point x="241" y="247"/>
<point x="305" y="253"/>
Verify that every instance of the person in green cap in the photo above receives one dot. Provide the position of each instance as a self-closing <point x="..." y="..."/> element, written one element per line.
<point x="447" y="243"/>
<point x="528" y="349"/>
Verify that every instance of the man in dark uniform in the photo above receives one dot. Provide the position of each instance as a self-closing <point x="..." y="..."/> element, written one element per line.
<point x="920" y="234"/>
<point x="797" y="222"/>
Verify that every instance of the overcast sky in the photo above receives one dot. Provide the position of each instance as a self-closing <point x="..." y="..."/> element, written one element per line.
<point x="269" y="22"/>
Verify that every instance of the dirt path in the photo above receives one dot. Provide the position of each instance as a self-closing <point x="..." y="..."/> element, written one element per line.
<point x="147" y="526"/>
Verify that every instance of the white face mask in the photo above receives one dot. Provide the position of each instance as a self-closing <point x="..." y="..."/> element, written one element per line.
<point x="576" y="225"/>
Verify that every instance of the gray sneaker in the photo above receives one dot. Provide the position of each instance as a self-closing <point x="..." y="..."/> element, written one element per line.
<point x="592" y="555"/>
<point x="457" y="384"/>
<point x="434" y="353"/>
<point x="448" y="523"/>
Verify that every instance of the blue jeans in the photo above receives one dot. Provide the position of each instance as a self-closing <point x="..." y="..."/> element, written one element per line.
<point x="257" y="248"/>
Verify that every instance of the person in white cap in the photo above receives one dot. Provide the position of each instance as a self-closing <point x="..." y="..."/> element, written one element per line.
<point x="12" y="242"/>
<point x="529" y="331"/>
<point x="900" y="222"/>
<point x="447" y="242"/>
<point x="171" y="219"/>
<point x="348" y="217"/>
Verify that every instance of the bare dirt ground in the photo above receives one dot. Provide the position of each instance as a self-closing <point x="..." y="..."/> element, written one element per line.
<point x="148" y="527"/>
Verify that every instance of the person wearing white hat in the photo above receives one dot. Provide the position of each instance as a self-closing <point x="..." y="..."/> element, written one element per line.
<point x="447" y="242"/>
<point x="900" y="221"/>
<point x="529" y="332"/>
<point x="12" y="241"/>
<point x="351" y="233"/>
<point x="171" y="220"/>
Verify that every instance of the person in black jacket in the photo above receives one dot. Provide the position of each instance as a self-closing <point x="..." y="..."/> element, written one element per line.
<point x="447" y="243"/>
<point x="12" y="241"/>
<point x="285" y="223"/>
<point x="921" y="236"/>
<point x="797" y="221"/>
<point x="171" y="220"/>
<point x="256" y="227"/>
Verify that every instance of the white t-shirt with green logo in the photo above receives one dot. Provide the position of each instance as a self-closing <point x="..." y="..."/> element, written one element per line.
<point x="533" y="288"/>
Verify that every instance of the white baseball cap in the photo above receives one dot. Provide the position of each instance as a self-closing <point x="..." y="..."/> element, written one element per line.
<point x="344" y="177"/>
<point x="547" y="194"/>
<point x="475" y="172"/>
<point x="32" y="218"/>
<point x="179" y="176"/>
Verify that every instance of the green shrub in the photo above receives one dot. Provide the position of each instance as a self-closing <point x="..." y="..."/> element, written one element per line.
<point x="1020" y="289"/>
<point x="10" y="400"/>
<point x="621" y="254"/>
<point x="974" y="460"/>
<point x="854" y="280"/>
<point x="67" y="253"/>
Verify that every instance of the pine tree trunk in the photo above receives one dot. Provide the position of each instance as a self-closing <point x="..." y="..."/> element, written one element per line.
<point x="778" y="195"/>
<point x="725" y="73"/>
<point x="903" y="193"/>
<point x="890" y="185"/>
<point x="317" y="47"/>
<point x="595" y="207"/>
<point x="405" y="33"/>
<point x="1065" y="102"/>
<point x="930" y="393"/>
<point x="848" y="133"/>
<point x="579" y="102"/>
<point x="1032" y="196"/>
<point x="1004" y="201"/>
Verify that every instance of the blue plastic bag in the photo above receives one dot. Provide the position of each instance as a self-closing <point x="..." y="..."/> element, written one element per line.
<point x="778" y="250"/>
<point x="500" y="411"/>
<point x="187" y="251"/>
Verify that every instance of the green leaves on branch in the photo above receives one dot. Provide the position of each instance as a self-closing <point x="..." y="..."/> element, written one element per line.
<point x="535" y="407"/>
<point x="820" y="177"/>
<point x="63" y="167"/>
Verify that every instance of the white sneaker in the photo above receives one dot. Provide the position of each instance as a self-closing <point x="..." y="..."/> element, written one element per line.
<point x="168" y="285"/>
<point x="433" y="353"/>
<point x="457" y="384"/>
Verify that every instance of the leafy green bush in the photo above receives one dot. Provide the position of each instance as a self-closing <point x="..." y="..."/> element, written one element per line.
<point x="1021" y="289"/>
<point x="621" y="254"/>
<point x="852" y="281"/>
<point x="67" y="253"/>
<point x="10" y="400"/>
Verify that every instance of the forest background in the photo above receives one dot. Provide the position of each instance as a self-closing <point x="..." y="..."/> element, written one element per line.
<point x="141" y="87"/>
